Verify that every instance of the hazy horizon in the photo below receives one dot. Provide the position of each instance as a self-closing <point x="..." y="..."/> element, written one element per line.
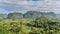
<point x="7" y="6"/>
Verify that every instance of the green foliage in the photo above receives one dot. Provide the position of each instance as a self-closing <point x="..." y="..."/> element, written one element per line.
<point x="47" y="25"/>
<point x="40" y="25"/>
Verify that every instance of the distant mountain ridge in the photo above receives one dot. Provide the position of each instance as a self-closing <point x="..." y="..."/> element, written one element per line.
<point x="15" y="15"/>
<point x="3" y="15"/>
<point x="31" y="14"/>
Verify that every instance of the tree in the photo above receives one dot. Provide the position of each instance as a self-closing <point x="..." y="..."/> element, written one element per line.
<point x="14" y="27"/>
<point x="47" y="25"/>
<point x="40" y="21"/>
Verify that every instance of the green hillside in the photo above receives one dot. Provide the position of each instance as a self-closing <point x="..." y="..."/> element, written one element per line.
<point x="31" y="14"/>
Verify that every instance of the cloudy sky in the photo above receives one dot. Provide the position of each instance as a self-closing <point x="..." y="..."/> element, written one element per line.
<point x="7" y="6"/>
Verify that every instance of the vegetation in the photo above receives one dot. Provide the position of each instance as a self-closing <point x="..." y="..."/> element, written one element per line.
<point x="19" y="25"/>
<point x="15" y="15"/>
<point x="31" y="14"/>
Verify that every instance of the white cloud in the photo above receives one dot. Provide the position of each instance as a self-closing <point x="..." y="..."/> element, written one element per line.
<point x="47" y="5"/>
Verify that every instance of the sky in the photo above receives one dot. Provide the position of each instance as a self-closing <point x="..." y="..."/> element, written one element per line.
<point x="7" y="6"/>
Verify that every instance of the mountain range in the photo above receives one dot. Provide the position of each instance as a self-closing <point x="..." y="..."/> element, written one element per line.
<point x="30" y="14"/>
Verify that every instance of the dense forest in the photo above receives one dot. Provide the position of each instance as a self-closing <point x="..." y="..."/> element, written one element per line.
<point x="31" y="22"/>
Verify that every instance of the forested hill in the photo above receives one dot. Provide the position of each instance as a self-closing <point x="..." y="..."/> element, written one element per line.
<point x="34" y="14"/>
<point x="31" y="14"/>
<point x="15" y="15"/>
